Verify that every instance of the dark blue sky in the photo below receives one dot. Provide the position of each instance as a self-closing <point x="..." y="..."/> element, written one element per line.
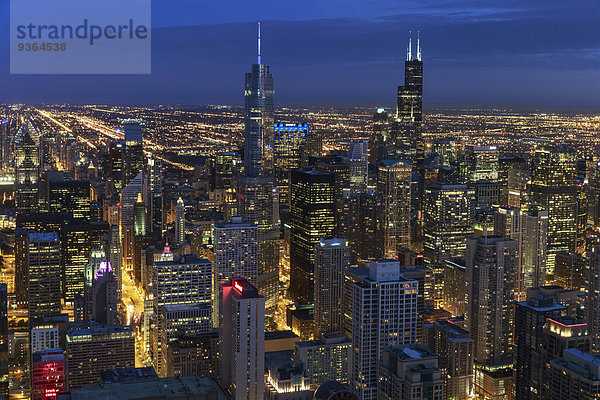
<point x="325" y="52"/>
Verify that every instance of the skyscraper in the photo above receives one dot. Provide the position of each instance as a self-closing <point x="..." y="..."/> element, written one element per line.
<point x="104" y="295"/>
<point x="325" y="359"/>
<point x="592" y="298"/>
<point x="4" y="348"/>
<point x="48" y="374"/>
<point x="235" y="256"/>
<point x="27" y="168"/>
<point x="312" y="210"/>
<point x="394" y="184"/>
<point x="186" y="280"/>
<point x="529" y="229"/>
<point x="370" y="242"/>
<point x="129" y="195"/>
<point x="44" y="271"/>
<point x="448" y="221"/>
<point x="288" y="144"/>
<point x="530" y="319"/>
<point x="139" y="216"/>
<point x="242" y="339"/>
<point x="410" y="108"/>
<point x="256" y="190"/>
<point x="133" y="151"/>
<point x="454" y="348"/>
<point x="180" y="222"/>
<point x="490" y="283"/>
<point x="554" y="189"/>
<point x="380" y="137"/>
<point x="258" y="119"/>
<point x="380" y="310"/>
<point x="95" y="348"/>
<point x="408" y="139"/>
<point x="332" y="258"/>
<point x="69" y="196"/>
<point x="155" y="197"/>
<point x="358" y="167"/>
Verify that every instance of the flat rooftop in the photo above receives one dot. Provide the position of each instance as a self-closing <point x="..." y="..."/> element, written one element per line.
<point x="150" y="388"/>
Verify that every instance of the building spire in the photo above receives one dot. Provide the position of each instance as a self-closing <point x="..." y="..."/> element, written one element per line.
<point x="409" y="52"/>
<point x="259" y="42"/>
<point x="418" y="46"/>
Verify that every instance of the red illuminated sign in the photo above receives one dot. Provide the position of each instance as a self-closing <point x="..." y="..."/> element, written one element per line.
<point x="238" y="286"/>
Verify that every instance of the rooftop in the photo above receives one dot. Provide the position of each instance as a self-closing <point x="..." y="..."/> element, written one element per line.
<point x="99" y="330"/>
<point x="128" y="375"/>
<point x="187" y="259"/>
<point x="159" y="388"/>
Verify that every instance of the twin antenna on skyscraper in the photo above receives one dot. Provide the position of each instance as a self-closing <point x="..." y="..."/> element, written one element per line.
<point x="259" y="42"/>
<point x="409" y="51"/>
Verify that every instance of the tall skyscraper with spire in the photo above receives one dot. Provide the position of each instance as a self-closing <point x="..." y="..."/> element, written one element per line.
<point x="409" y="127"/>
<point x="409" y="115"/>
<point x="255" y="192"/>
<point x="258" y="118"/>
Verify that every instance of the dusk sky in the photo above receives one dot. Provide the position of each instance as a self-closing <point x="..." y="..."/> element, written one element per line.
<point x="348" y="52"/>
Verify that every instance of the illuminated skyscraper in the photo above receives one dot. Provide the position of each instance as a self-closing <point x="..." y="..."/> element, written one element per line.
<point x="227" y="166"/>
<point x="235" y="256"/>
<point x="448" y="221"/>
<point x="312" y="210"/>
<point x="592" y="286"/>
<point x="410" y="108"/>
<point x="256" y="206"/>
<point x="242" y="340"/>
<point x="393" y="184"/>
<point x="155" y="197"/>
<point x="256" y="190"/>
<point x="180" y="222"/>
<point x="133" y="151"/>
<point x="44" y="271"/>
<point x="288" y="144"/>
<point x="115" y="257"/>
<point x="358" y="167"/>
<point x="139" y="216"/>
<point x="95" y="348"/>
<point x="186" y="280"/>
<point x="104" y="295"/>
<point x="482" y="164"/>
<point x="48" y="374"/>
<point x="69" y="196"/>
<point x="7" y="154"/>
<point x="554" y="189"/>
<point x="529" y="229"/>
<point x="380" y="310"/>
<point x="490" y="284"/>
<point x="27" y="168"/>
<point x="128" y="197"/>
<point x="258" y="119"/>
<point x="325" y="359"/>
<point x="380" y="138"/>
<point x="332" y="258"/>
<point x="78" y="238"/>
<point x="4" y="349"/>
